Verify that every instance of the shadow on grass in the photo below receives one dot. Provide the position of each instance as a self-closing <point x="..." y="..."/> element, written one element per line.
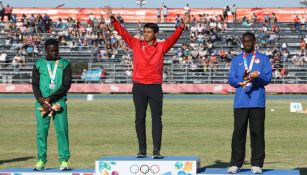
<point x="15" y="160"/>
<point x="303" y="171"/>
<point x="216" y="164"/>
<point x="221" y="164"/>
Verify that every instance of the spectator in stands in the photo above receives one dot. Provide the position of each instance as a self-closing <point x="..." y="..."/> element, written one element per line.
<point x="224" y="27"/>
<point x="226" y="11"/>
<point x="2" y="12"/>
<point x="18" y="60"/>
<point x="277" y="66"/>
<point x="120" y="19"/>
<point x="3" y="58"/>
<point x="254" y="19"/>
<point x="193" y="37"/>
<point x="158" y="15"/>
<point x="29" y="50"/>
<point x="46" y="17"/>
<point x="187" y="8"/>
<point x="126" y="58"/>
<point x="205" y="61"/>
<point x="245" y="22"/>
<point x="267" y="19"/>
<point x="50" y="89"/>
<point x="229" y="40"/>
<point x="8" y="41"/>
<point x="285" y="55"/>
<point x="213" y="62"/>
<point x="178" y="21"/>
<point x="264" y="28"/>
<point x="32" y="19"/>
<point x="114" y="42"/>
<point x="58" y="24"/>
<point x="165" y="13"/>
<point x="193" y="20"/>
<point x="147" y="78"/>
<point x="179" y="56"/>
<point x="234" y="12"/>
<point x="303" y="23"/>
<point x="297" y="60"/>
<point x="83" y="74"/>
<point x="13" y="19"/>
<point x="224" y="57"/>
<point x="249" y="73"/>
<point x="35" y="51"/>
<point x="268" y="53"/>
<point x="102" y="55"/>
<point x="8" y="12"/>
<point x="274" y="19"/>
<point x="302" y="45"/>
<point x="297" y="21"/>
<point x="275" y="28"/>
<point x="91" y="17"/>
<point x="104" y="73"/>
<point x="194" y="53"/>
<point x="186" y="51"/>
<point x="128" y="72"/>
<point x="273" y="38"/>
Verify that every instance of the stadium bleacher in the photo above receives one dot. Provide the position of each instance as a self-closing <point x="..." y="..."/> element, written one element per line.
<point x="84" y="58"/>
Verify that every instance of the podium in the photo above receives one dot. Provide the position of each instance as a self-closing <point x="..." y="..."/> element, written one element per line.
<point x="169" y="165"/>
<point x="49" y="171"/>
<point x="223" y="171"/>
<point x="128" y="165"/>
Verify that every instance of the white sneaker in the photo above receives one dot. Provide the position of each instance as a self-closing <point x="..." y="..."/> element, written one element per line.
<point x="233" y="170"/>
<point x="256" y="170"/>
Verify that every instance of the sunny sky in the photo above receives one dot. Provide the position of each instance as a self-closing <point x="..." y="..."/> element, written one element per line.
<point x="154" y="3"/>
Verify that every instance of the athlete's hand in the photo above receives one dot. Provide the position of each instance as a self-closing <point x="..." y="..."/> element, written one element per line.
<point x="185" y="20"/>
<point x="42" y="100"/>
<point x="255" y="74"/>
<point x="108" y="10"/>
<point x="242" y="84"/>
<point x="46" y="108"/>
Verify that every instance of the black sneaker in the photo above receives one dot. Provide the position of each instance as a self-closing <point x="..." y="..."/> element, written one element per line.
<point x="141" y="154"/>
<point x="157" y="155"/>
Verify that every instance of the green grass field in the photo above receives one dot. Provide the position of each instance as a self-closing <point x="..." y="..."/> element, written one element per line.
<point x="105" y="127"/>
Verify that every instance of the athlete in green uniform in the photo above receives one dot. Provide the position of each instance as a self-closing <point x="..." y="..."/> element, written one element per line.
<point x="51" y="79"/>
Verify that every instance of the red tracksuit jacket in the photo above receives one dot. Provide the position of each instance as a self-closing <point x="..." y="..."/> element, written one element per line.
<point x="147" y="60"/>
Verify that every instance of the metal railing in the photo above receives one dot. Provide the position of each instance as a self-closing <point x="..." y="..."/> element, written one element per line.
<point x="172" y="74"/>
<point x="195" y="74"/>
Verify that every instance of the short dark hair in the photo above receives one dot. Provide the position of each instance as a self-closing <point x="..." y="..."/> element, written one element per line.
<point x="52" y="42"/>
<point x="250" y="34"/>
<point x="152" y="26"/>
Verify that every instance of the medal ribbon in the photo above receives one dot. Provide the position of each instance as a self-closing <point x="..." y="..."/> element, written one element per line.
<point x="250" y="64"/>
<point x="52" y="75"/>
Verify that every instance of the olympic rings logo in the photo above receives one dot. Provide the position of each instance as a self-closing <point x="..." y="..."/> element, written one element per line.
<point x="144" y="169"/>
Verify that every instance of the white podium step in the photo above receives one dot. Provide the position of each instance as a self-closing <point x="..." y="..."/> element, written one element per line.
<point x="48" y="171"/>
<point x="169" y="165"/>
<point x="223" y="171"/>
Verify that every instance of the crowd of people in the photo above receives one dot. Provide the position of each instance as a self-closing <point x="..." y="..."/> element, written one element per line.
<point x="211" y="42"/>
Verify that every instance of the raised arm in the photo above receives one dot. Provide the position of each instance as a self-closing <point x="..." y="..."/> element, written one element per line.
<point x="170" y="41"/>
<point x="130" y="40"/>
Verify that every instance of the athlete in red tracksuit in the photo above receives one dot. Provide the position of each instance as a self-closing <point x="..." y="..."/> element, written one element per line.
<point x="148" y="57"/>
